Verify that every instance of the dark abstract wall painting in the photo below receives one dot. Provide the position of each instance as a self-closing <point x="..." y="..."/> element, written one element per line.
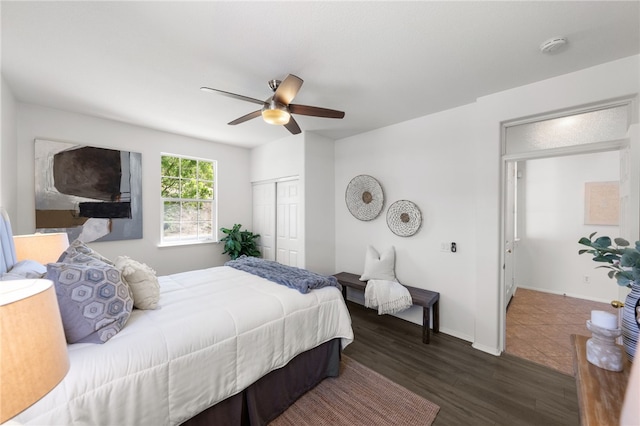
<point x="94" y="194"/>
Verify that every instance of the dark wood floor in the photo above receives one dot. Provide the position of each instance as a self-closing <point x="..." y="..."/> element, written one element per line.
<point x="470" y="386"/>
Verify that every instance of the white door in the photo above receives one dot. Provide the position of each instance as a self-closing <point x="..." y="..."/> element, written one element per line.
<point x="264" y="218"/>
<point x="630" y="187"/>
<point x="288" y="220"/>
<point x="630" y="191"/>
<point x="509" y="232"/>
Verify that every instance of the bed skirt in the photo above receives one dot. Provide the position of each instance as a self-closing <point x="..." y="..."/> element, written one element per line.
<point x="272" y="394"/>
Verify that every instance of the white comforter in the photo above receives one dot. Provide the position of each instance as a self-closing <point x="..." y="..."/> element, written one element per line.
<point x="218" y="330"/>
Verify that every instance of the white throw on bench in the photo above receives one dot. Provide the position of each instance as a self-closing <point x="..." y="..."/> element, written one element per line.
<point x="388" y="296"/>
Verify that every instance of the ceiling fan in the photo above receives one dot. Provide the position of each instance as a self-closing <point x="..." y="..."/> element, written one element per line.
<point x="277" y="108"/>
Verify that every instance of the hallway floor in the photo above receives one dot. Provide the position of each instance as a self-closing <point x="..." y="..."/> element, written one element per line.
<point x="539" y="326"/>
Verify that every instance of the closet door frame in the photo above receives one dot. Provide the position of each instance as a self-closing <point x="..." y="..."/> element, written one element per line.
<point x="273" y="222"/>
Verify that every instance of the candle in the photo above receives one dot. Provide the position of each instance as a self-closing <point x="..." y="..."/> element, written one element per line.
<point x="604" y="319"/>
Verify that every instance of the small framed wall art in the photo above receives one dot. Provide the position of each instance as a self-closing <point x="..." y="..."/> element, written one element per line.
<point x="602" y="203"/>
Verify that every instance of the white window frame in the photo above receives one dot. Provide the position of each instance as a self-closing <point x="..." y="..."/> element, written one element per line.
<point x="214" y="207"/>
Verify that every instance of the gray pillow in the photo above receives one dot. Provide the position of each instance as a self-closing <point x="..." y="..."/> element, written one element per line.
<point x="79" y="252"/>
<point x="95" y="303"/>
<point x="25" y="269"/>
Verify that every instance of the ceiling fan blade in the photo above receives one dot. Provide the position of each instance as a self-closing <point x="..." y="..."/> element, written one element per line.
<point x="247" y="117"/>
<point x="315" y="111"/>
<point x="233" y="95"/>
<point x="292" y="126"/>
<point x="288" y="89"/>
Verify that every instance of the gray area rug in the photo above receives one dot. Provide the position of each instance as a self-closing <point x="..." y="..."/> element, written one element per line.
<point x="359" y="396"/>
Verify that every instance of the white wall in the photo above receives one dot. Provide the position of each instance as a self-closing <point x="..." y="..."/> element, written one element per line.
<point x="319" y="204"/>
<point x="234" y="188"/>
<point x="281" y="158"/>
<point x="427" y="161"/>
<point x="553" y="222"/>
<point x="8" y="152"/>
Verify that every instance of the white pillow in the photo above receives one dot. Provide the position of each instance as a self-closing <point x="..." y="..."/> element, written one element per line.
<point x="142" y="281"/>
<point x="379" y="267"/>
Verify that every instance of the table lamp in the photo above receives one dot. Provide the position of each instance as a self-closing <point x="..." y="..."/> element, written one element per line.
<point x="33" y="349"/>
<point x="43" y="248"/>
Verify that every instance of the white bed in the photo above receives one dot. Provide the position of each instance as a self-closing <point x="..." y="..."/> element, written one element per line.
<point x="217" y="332"/>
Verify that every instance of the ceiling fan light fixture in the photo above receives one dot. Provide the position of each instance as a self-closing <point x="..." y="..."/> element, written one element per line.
<point x="275" y="113"/>
<point x="276" y="116"/>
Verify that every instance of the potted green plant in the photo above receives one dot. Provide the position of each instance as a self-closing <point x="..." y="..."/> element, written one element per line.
<point x="237" y="242"/>
<point x="623" y="262"/>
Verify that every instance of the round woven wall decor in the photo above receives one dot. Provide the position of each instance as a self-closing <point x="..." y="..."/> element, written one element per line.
<point x="404" y="218"/>
<point x="364" y="197"/>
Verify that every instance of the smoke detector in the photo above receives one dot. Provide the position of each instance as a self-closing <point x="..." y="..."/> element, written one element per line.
<point x="553" y="44"/>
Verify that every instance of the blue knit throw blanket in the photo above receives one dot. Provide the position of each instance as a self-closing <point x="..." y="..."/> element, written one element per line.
<point x="299" y="279"/>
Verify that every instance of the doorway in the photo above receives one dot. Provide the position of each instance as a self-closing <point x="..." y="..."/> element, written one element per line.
<point x="558" y="138"/>
<point x="556" y="288"/>
<point x="550" y="216"/>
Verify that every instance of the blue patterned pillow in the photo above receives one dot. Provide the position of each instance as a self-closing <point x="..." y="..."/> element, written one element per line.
<point x="79" y="252"/>
<point x="95" y="303"/>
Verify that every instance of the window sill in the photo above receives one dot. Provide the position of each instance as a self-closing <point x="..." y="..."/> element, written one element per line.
<point x="187" y="243"/>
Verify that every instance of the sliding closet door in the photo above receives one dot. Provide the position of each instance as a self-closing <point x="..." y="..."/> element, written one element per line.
<point x="264" y="218"/>
<point x="288" y="220"/>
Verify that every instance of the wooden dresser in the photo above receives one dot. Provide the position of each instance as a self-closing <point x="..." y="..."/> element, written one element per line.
<point x="600" y="392"/>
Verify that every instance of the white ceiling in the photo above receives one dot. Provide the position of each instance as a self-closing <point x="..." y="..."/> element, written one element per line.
<point x="380" y="62"/>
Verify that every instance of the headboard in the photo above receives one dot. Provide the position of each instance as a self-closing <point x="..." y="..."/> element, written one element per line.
<point x="8" y="255"/>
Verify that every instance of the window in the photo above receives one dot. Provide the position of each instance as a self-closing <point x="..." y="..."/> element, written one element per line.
<point x="187" y="191"/>
<point x="605" y="124"/>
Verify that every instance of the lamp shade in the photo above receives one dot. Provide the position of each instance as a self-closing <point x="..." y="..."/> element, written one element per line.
<point x="33" y="349"/>
<point x="43" y="248"/>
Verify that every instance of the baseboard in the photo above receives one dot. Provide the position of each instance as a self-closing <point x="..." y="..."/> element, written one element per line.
<point x="576" y="296"/>
<point x="488" y="349"/>
<point x="457" y="335"/>
<point x="413" y="320"/>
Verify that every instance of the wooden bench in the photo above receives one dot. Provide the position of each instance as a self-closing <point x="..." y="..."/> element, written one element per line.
<point x="425" y="298"/>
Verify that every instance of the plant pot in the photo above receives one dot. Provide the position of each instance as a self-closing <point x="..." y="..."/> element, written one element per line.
<point x="630" y="326"/>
